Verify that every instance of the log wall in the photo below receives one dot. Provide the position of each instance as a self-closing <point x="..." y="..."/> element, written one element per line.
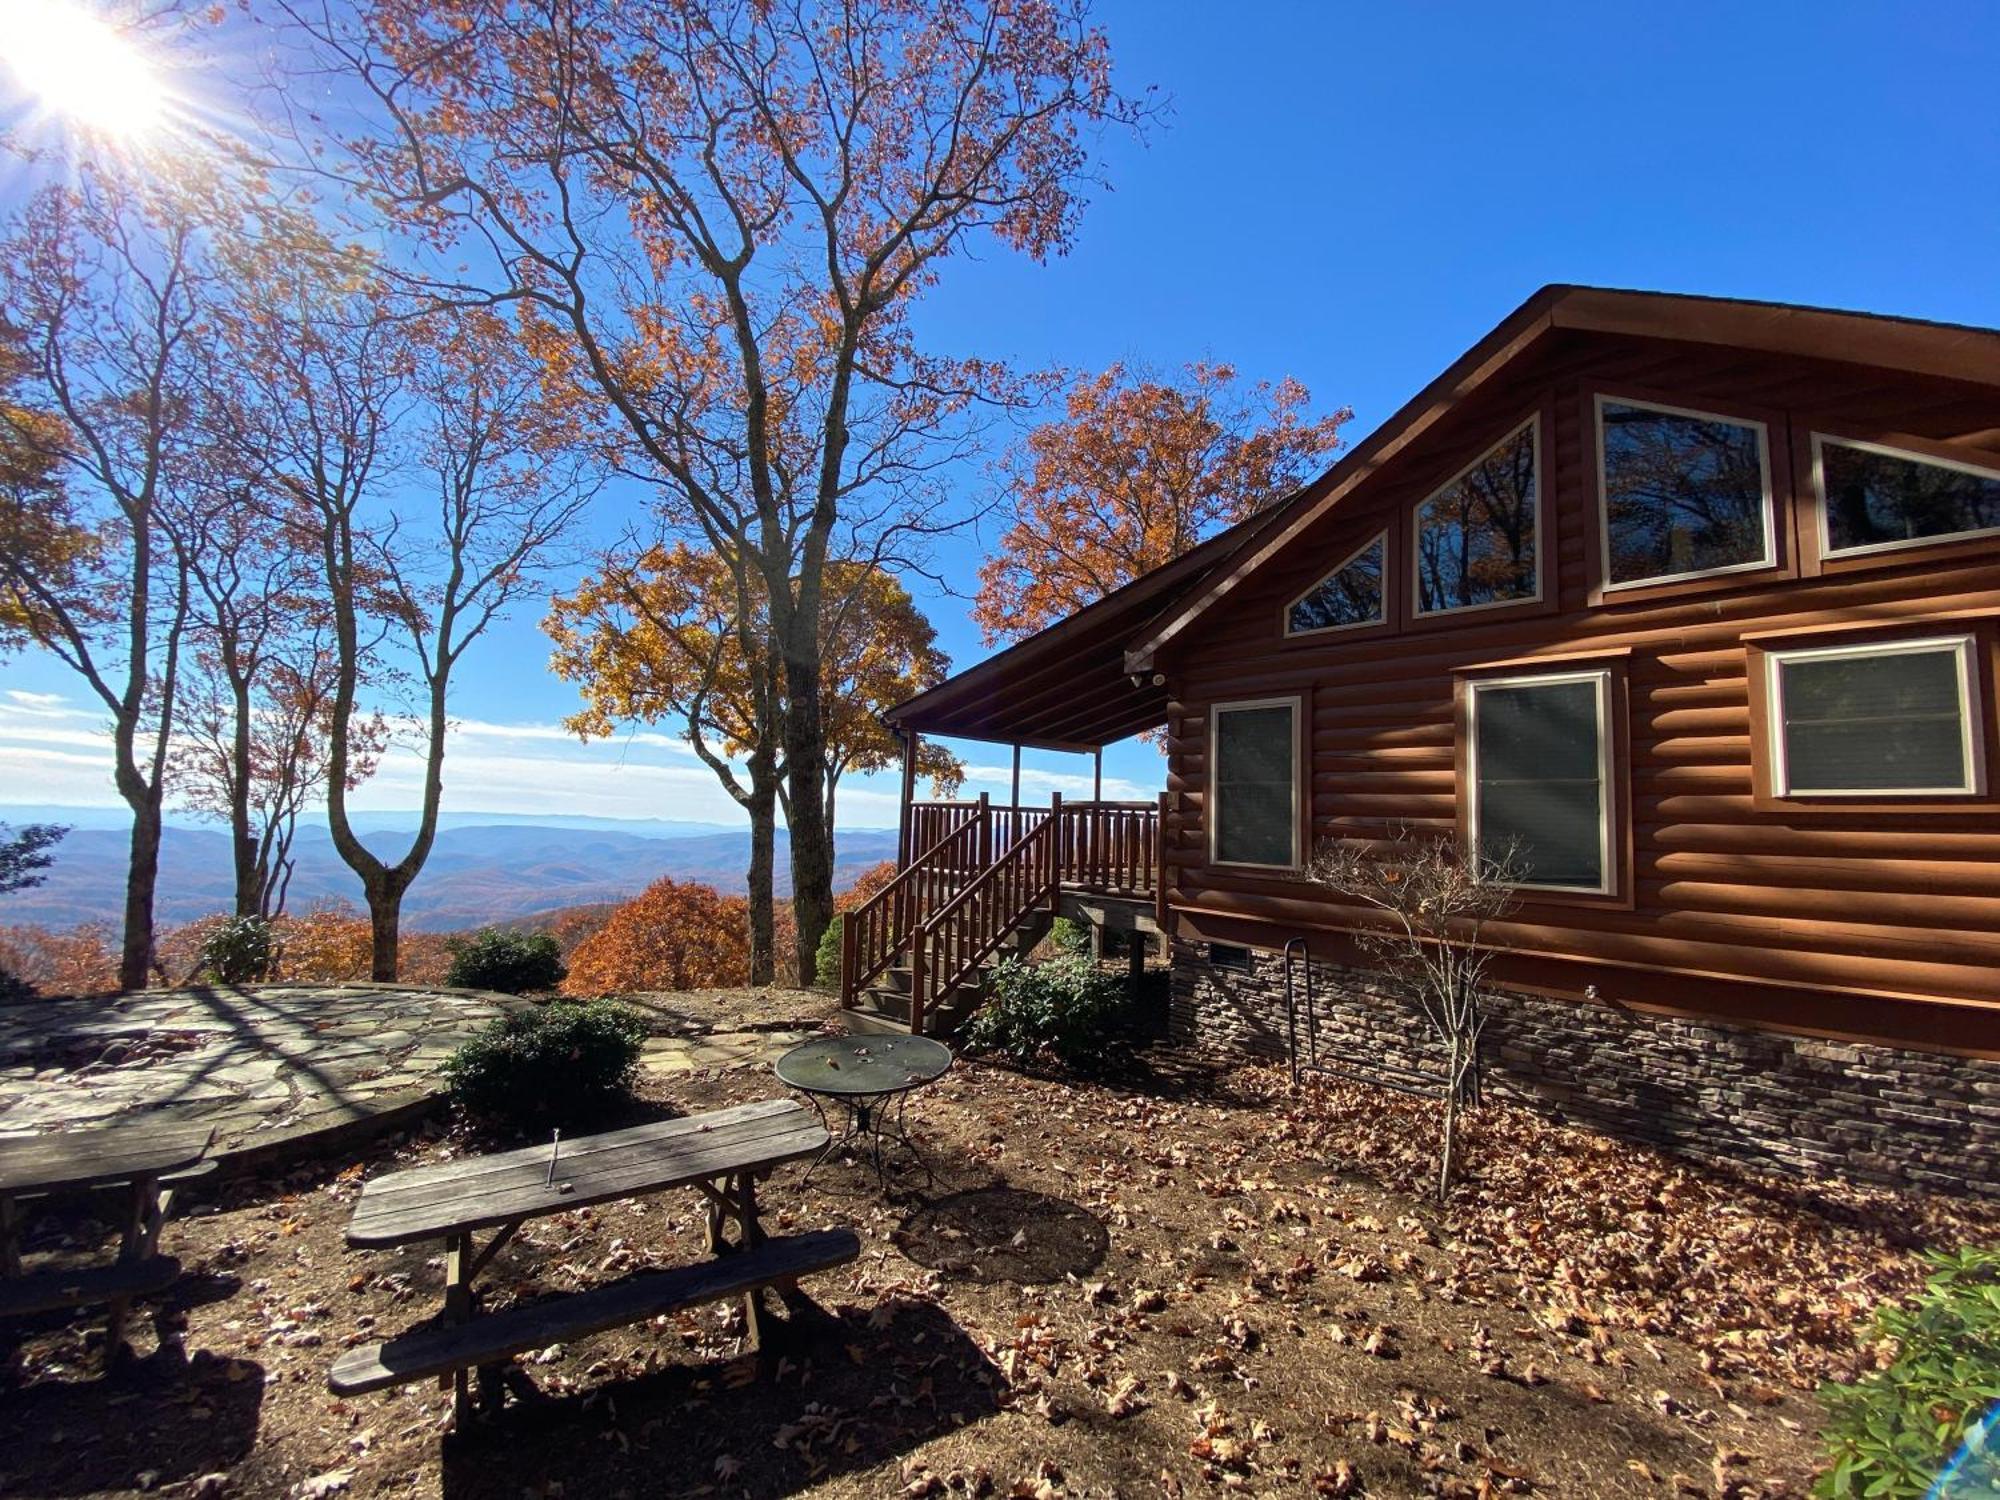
<point x="1880" y="924"/>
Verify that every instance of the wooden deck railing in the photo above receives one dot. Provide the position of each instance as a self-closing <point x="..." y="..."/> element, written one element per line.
<point x="1111" y="848"/>
<point x="984" y="867"/>
<point x="956" y="938"/>
<point x="879" y="929"/>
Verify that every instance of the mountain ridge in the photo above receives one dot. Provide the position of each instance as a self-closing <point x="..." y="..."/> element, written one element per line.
<point x="477" y="874"/>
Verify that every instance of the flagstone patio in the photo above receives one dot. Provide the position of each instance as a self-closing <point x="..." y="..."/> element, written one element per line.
<point x="268" y="1066"/>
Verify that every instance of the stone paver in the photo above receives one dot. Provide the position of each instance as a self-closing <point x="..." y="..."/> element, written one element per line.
<point x="269" y="1066"/>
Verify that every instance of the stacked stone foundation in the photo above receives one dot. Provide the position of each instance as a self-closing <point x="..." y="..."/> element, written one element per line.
<point x="1706" y="1089"/>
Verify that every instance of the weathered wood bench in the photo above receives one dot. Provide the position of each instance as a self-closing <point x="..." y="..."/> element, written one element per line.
<point x="721" y="1154"/>
<point x="486" y="1340"/>
<point x="142" y="1162"/>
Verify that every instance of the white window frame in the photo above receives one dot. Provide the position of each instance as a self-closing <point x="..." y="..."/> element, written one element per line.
<point x="1769" y="557"/>
<point x="1884" y="450"/>
<point x="1213" y="813"/>
<point x="1971" y="714"/>
<point x="1380" y="539"/>
<point x="1417" y="610"/>
<point x="1606" y="773"/>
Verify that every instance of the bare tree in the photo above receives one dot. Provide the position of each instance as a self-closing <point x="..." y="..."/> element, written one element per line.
<point x="1438" y="898"/>
<point x="106" y="285"/>
<point x="428" y="479"/>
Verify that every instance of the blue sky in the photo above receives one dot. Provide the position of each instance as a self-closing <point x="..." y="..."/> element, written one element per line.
<point x="1352" y="194"/>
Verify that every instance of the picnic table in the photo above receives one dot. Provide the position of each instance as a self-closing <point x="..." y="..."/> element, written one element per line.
<point x="144" y="1162"/>
<point x="722" y="1154"/>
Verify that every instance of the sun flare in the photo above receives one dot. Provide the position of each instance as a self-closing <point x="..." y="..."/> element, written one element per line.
<point x="76" y="65"/>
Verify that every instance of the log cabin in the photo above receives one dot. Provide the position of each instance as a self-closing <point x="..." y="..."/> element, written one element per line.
<point x="1695" y="605"/>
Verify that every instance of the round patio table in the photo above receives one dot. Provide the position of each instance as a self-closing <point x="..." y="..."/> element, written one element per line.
<point x="871" y="1078"/>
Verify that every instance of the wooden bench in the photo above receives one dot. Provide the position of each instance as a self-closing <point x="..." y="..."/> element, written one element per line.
<point x="440" y="1350"/>
<point x="721" y="1154"/>
<point x="85" y="1286"/>
<point x="140" y="1161"/>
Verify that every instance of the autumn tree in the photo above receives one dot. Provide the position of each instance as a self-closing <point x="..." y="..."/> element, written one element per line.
<point x="1138" y="469"/>
<point x="722" y="216"/>
<point x="675" y="935"/>
<point x="419" y="466"/>
<point x="663" y="634"/>
<point x="107" y="282"/>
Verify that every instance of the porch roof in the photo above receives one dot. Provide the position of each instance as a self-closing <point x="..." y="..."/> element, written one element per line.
<point x="1067" y="687"/>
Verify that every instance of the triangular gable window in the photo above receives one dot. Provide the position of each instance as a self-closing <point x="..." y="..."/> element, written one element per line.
<point x="1350" y="595"/>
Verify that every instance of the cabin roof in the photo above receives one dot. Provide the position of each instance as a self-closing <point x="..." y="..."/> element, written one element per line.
<point x="1088" y="679"/>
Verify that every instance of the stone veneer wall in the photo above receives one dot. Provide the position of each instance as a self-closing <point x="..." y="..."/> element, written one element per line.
<point x="1706" y="1089"/>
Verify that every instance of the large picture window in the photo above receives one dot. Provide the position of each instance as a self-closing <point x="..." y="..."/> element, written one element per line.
<point x="1873" y="498"/>
<point x="1886" y="719"/>
<point x="1348" y="596"/>
<point x="1540" y="774"/>
<point x="1254" y="783"/>
<point x="1684" y="493"/>
<point x="1475" y="537"/>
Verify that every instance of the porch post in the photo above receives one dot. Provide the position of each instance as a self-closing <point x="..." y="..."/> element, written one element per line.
<point x="1017" y="776"/>
<point x="904" y="854"/>
<point x="1097" y="774"/>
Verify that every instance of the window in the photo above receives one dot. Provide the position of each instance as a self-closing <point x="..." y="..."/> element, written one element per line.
<point x="1873" y="498"/>
<point x="1541" y="776"/>
<point x="1350" y="595"/>
<point x="1254" y="753"/>
<point x="1684" y="493"/>
<point x="1898" y="718"/>
<point x="1476" y="536"/>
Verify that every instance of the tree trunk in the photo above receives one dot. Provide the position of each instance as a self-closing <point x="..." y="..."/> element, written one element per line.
<point x="135" y="961"/>
<point x="763" y="809"/>
<point x="249" y="874"/>
<point x="812" y="834"/>
<point x="385" y="917"/>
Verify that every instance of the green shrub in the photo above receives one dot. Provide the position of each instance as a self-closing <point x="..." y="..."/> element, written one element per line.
<point x="1889" y="1434"/>
<point x="1063" y="1007"/>
<point x="826" y="962"/>
<point x="1068" y="936"/>
<point x="500" y="959"/>
<point x="238" y="951"/>
<point x="560" y="1064"/>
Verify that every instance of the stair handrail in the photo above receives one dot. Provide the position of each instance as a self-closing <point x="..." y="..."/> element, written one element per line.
<point x="1024" y="876"/>
<point x="904" y="899"/>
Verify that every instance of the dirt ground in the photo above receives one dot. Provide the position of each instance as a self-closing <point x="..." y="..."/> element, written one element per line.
<point x="1183" y="1281"/>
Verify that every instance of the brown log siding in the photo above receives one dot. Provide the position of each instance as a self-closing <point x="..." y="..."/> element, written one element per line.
<point x="1880" y="922"/>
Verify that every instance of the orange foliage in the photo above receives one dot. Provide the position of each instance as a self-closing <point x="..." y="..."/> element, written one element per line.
<point x="82" y="961"/>
<point x="672" y="936"/>
<point x="1137" y="471"/>
<point x="869" y="883"/>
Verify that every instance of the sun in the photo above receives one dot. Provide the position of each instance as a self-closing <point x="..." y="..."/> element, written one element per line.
<point x="74" y="64"/>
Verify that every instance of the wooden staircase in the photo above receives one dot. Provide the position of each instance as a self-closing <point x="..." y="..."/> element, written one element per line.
<point x="916" y="957"/>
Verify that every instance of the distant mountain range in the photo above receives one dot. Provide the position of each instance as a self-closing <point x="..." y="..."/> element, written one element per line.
<point x="500" y="869"/>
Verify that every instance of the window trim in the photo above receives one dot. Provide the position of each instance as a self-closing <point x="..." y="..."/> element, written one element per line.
<point x="1611" y="861"/>
<point x="1771" y="557"/>
<point x="1418" y="613"/>
<point x="1824" y="518"/>
<point x="1301" y="810"/>
<point x="1966" y="646"/>
<point x="1384" y="612"/>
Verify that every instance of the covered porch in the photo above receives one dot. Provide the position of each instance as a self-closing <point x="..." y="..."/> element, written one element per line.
<point x="977" y="879"/>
